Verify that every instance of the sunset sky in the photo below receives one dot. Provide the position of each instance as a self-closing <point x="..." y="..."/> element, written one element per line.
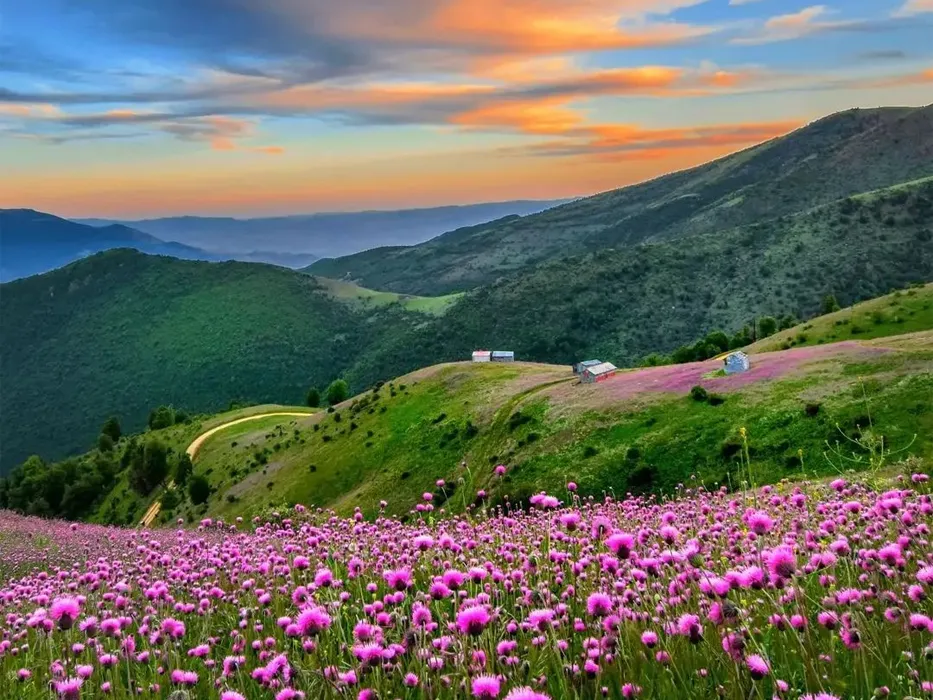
<point x="133" y="108"/>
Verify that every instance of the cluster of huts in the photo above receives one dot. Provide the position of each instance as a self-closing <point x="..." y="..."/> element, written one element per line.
<point x="493" y="356"/>
<point x="592" y="371"/>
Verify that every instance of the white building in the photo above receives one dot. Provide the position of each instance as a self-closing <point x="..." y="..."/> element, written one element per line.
<point x="736" y="362"/>
<point x="482" y="356"/>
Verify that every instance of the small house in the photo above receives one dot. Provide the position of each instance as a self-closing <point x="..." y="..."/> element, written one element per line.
<point x="735" y="362"/>
<point x="597" y="373"/>
<point x="503" y="356"/>
<point x="580" y="366"/>
<point x="481" y="356"/>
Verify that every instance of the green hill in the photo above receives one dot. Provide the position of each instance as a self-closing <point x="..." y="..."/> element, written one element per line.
<point x="121" y="332"/>
<point x="903" y="311"/>
<point x="830" y="159"/>
<point x="640" y="431"/>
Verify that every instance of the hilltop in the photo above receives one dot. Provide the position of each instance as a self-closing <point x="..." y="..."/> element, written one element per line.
<point x="644" y="430"/>
<point x="841" y="155"/>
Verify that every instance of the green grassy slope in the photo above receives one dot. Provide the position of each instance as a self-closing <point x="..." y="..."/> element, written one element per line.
<point x="841" y="155"/>
<point x="903" y="311"/>
<point x="622" y="304"/>
<point x="121" y="332"/>
<point x="639" y="431"/>
<point x="368" y="298"/>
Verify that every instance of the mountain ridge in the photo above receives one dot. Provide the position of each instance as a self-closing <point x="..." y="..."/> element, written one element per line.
<point x="831" y="158"/>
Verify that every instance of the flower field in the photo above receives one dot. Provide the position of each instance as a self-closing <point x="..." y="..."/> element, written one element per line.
<point x="807" y="591"/>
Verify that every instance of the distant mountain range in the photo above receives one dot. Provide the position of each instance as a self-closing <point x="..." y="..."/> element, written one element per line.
<point x="323" y="235"/>
<point x="32" y="242"/>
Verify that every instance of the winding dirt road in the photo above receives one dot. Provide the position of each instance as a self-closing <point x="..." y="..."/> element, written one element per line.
<point x="196" y="444"/>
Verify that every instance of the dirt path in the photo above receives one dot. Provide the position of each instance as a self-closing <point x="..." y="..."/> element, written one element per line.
<point x="199" y="441"/>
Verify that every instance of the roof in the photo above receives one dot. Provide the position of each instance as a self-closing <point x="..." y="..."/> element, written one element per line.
<point x="500" y="353"/>
<point x="481" y="352"/>
<point x="601" y="368"/>
<point x="590" y="363"/>
<point x="737" y="353"/>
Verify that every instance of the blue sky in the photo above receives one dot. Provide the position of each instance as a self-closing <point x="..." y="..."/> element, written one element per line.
<point x="255" y="107"/>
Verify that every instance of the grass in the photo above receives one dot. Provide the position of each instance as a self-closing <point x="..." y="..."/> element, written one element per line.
<point x="395" y="443"/>
<point x="902" y="311"/>
<point x="368" y="298"/>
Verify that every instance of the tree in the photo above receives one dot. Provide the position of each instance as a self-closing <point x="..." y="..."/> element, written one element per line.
<point x="149" y="467"/>
<point x="161" y="417"/>
<point x="767" y="325"/>
<point x="112" y="429"/>
<point x="199" y="490"/>
<point x="719" y="339"/>
<point x="105" y="443"/>
<point x="314" y="397"/>
<point x="829" y="304"/>
<point x="787" y="321"/>
<point x="183" y="469"/>
<point x="337" y="391"/>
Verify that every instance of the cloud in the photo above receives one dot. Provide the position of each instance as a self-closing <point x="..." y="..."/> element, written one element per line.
<point x="914" y="7"/>
<point x="883" y="55"/>
<point x="796" y="25"/>
<point x="631" y="141"/>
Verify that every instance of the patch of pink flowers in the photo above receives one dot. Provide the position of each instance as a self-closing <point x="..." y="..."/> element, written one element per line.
<point x="793" y="592"/>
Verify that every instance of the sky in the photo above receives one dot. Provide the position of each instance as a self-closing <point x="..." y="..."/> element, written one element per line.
<point x="143" y="108"/>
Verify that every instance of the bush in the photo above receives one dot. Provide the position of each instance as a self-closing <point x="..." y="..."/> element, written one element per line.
<point x="812" y="409"/>
<point x="112" y="429"/>
<point x="767" y="325"/>
<point x="829" y="304"/>
<point x="183" y="469"/>
<point x="338" y="391"/>
<point x="313" y="399"/>
<point x="161" y="418"/>
<point x="199" y="490"/>
<point x="698" y="393"/>
<point x="105" y="443"/>
<point x="589" y="451"/>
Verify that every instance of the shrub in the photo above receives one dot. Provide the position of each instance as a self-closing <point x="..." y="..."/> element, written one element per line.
<point x="812" y="409"/>
<point x="589" y="451"/>
<point x="199" y="490"/>
<point x="338" y="391"/>
<point x="313" y="399"/>
<point x="112" y="429"/>
<point x="105" y="443"/>
<point x="161" y="418"/>
<point x="698" y="393"/>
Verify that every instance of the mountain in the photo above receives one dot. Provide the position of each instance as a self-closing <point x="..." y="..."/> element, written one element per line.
<point x="32" y="242"/>
<point x="622" y="304"/>
<point x="835" y="157"/>
<point x="326" y="234"/>
<point x="122" y="332"/>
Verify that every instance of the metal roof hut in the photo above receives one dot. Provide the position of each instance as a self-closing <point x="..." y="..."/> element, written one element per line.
<point x="580" y="366"/>
<point x="736" y="362"/>
<point x="503" y="356"/>
<point x="598" y="373"/>
<point x="481" y="355"/>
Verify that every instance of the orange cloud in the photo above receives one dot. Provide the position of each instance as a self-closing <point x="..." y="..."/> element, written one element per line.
<point x="914" y="7"/>
<point x="270" y="150"/>
<point x="545" y="117"/>
<point x="919" y="78"/>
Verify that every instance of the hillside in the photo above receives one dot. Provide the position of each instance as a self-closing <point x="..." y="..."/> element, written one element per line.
<point x="902" y="311"/>
<point x="623" y="304"/>
<point x="838" y="156"/>
<point x="32" y="242"/>
<point x="121" y="332"/>
<point x="326" y="234"/>
<point x="639" y="431"/>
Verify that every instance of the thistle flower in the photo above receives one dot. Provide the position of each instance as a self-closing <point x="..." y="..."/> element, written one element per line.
<point x="485" y="687"/>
